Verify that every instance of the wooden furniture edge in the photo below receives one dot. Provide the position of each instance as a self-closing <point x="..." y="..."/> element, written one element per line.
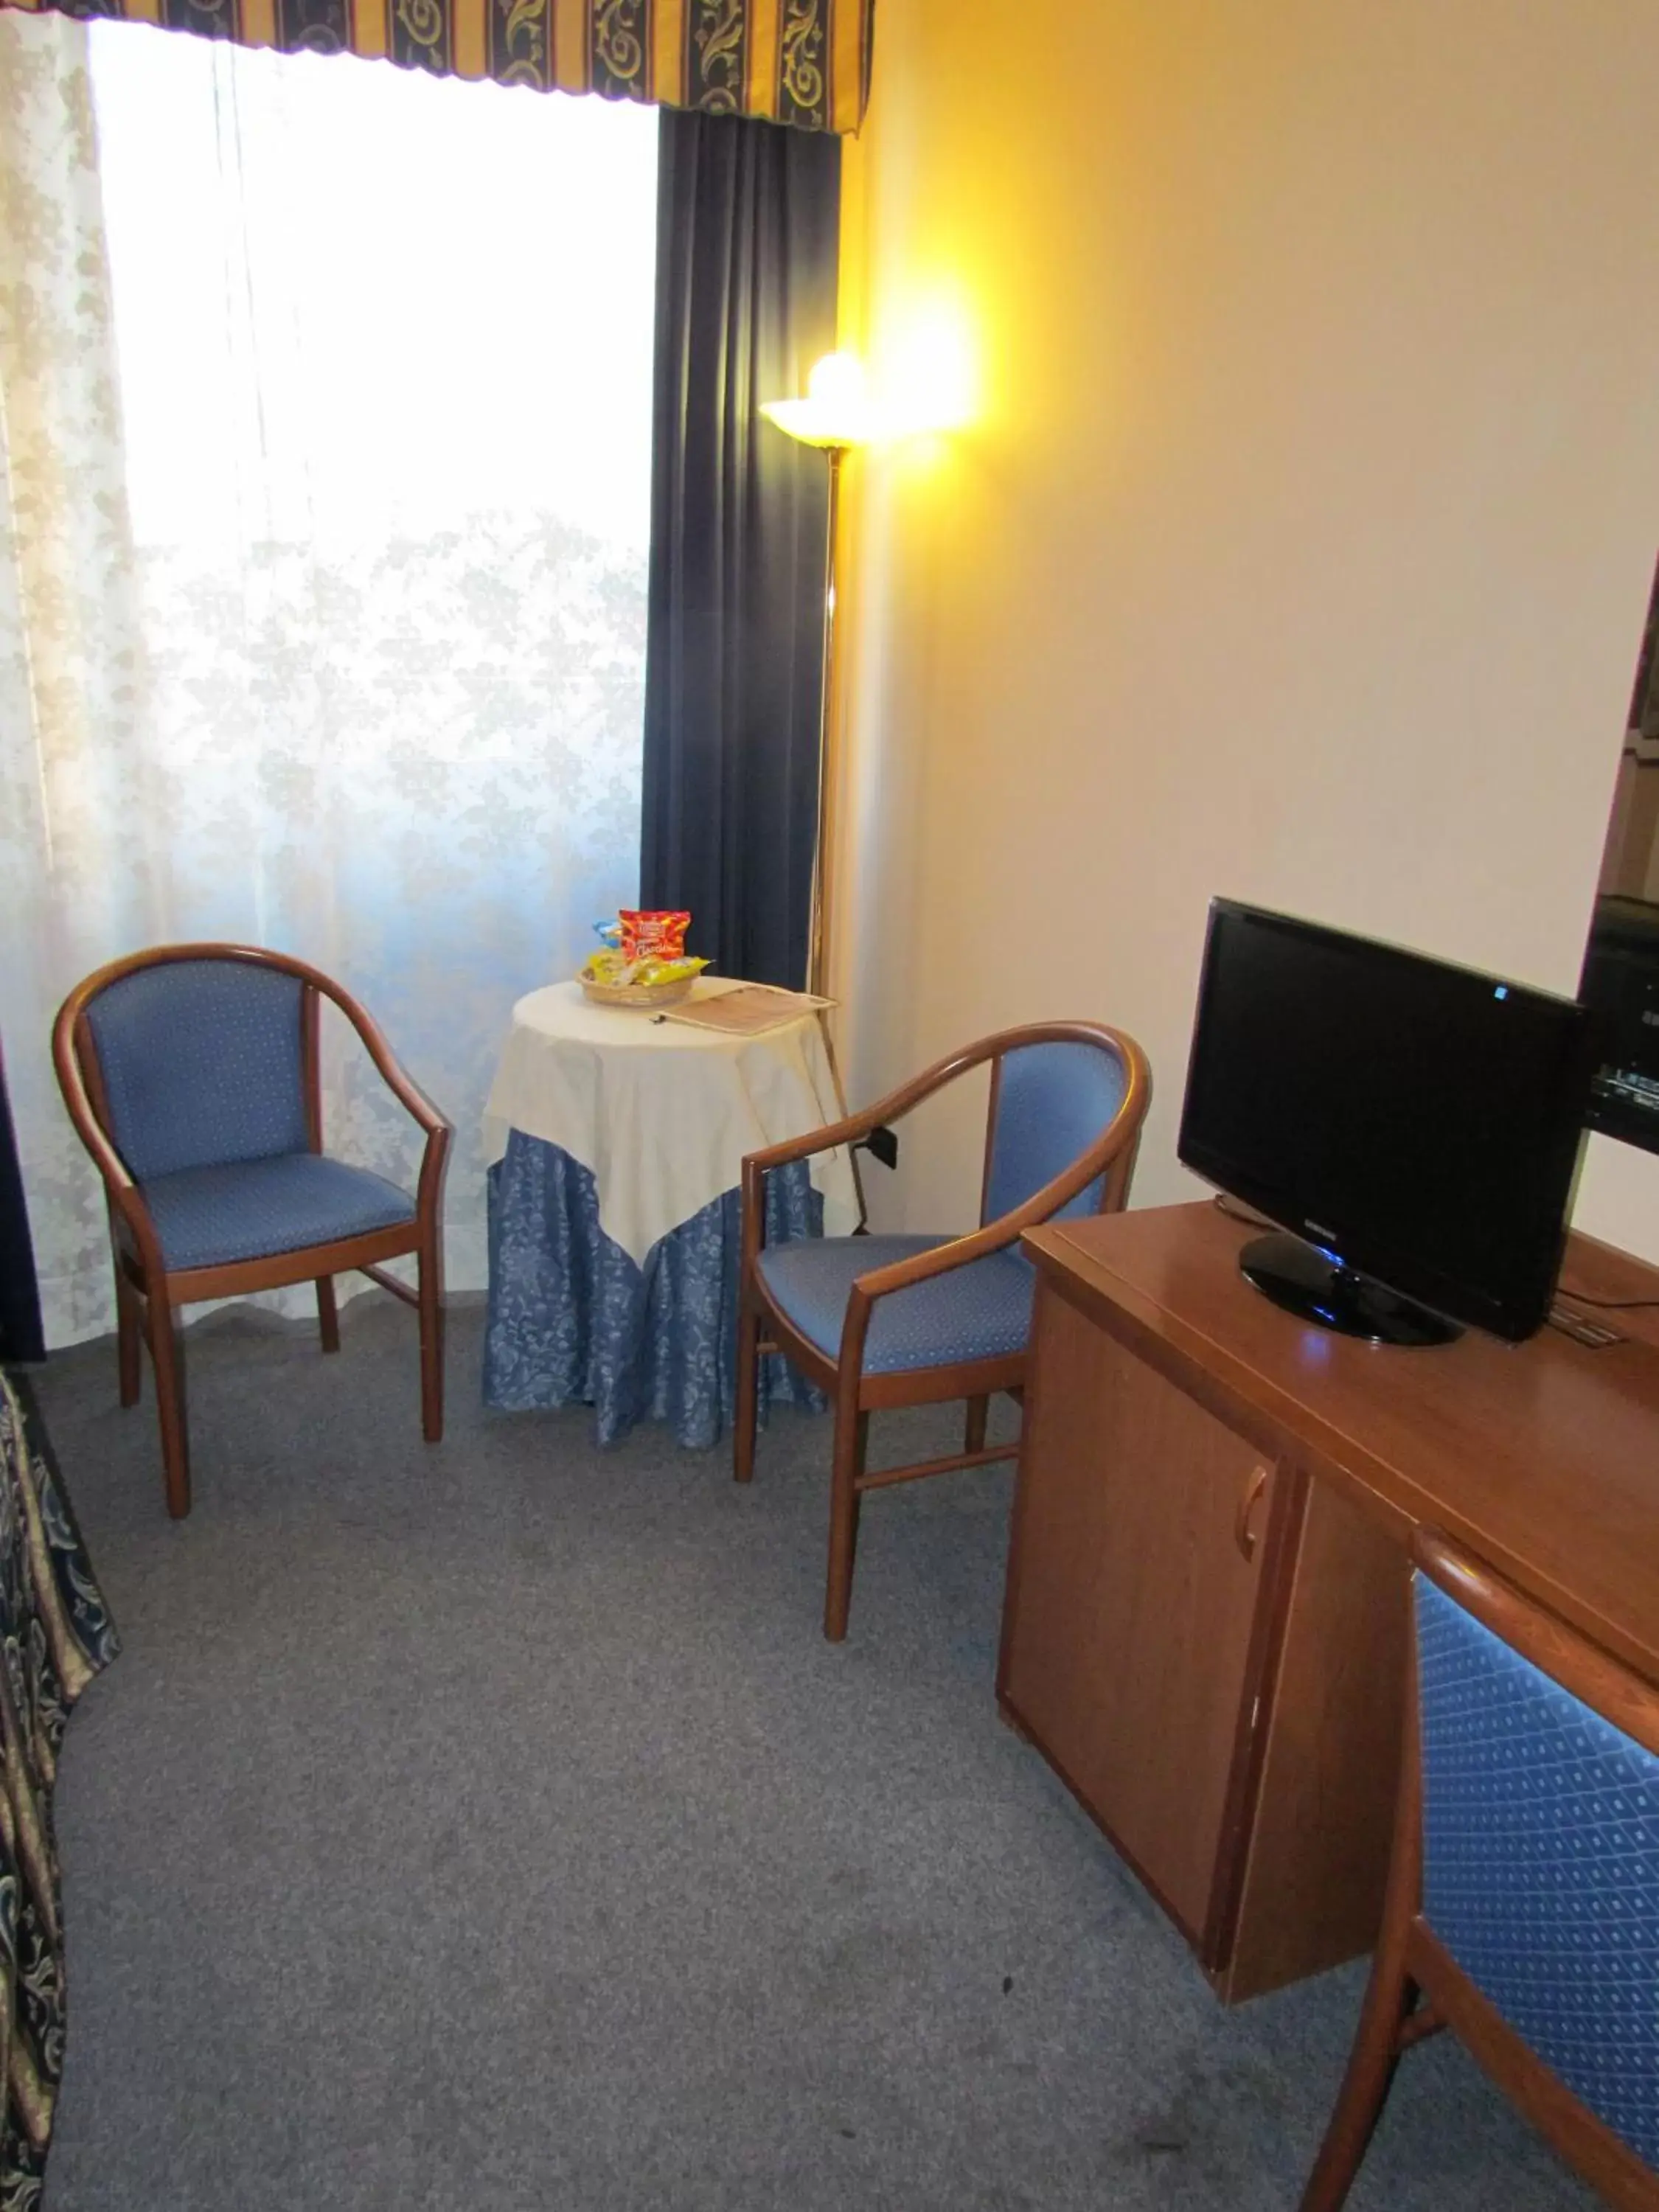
<point x="1279" y="1424"/>
<point x="1263" y="1667"/>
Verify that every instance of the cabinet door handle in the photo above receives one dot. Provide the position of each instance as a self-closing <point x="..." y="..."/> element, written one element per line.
<point x="1243" y="1535"/>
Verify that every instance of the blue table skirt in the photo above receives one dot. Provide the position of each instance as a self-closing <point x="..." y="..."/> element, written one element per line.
<point x="574" y="1321"/>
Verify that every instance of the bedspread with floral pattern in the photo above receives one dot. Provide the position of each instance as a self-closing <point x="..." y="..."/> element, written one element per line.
<point x="56" y="1634"/>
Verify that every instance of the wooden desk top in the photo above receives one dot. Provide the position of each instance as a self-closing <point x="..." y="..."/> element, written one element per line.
<point x="1543" y="1457"/>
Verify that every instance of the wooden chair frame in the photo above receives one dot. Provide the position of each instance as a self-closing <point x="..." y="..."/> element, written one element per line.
<point x="1416" y="1987"/>
<point x="146" y="1291"/>
<point x="762" y="1327"/>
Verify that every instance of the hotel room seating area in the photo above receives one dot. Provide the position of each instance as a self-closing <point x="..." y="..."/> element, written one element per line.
<point x="930" y="518"/>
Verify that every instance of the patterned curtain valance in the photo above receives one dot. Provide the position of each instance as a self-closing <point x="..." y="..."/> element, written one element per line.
<point x="805" y="62"/>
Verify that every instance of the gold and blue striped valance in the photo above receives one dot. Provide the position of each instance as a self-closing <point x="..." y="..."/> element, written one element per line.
<point x="805" y="62"/>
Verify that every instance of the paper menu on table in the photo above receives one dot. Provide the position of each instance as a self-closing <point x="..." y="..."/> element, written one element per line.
<point x="746" y="1009"/>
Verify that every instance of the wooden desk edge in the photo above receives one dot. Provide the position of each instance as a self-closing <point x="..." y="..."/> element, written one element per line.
<point x="1269" y="1416"/>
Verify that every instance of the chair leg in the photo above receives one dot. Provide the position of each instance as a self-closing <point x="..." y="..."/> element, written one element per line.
<point x="1375" y="2053"/>
<point x="1390" y="1994"/>
<point x="168" y="1356"/>
<point x="432" y="1339"/>
<point x="852" y="1440"/>
<point x="128" y="1332"/>
<point x="328" y="1313"/>
<point x="973" y="1438"/>
<point x="747" y="1412"/>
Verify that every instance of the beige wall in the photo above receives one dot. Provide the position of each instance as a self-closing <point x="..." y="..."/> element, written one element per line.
<point x="1299" y="543"/>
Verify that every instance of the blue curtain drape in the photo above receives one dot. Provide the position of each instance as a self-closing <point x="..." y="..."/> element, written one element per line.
<point x="20" y="1336"/>
<point x="747" y="245"/>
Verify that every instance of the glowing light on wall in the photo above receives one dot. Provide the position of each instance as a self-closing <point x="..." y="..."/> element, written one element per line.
<point x="927" y="372"/>
<point x="925" y="382"/>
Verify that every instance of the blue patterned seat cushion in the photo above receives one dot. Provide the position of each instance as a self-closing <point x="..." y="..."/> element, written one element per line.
<point x="210" y="1217"/>
<point x="1541" y="1864"/>
<point x="981" y="1311"/>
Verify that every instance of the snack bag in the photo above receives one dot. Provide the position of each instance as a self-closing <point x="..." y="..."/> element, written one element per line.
<point x="667" y="971"/>
<point x="652" y="936"/>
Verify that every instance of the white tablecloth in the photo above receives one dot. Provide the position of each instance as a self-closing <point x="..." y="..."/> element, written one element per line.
<point x="661" y="1113"/>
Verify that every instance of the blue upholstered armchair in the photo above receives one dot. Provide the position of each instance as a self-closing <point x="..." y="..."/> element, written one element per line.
<point x="881" y="1321"/>
<point x="1523" y="1908"/>
<point x="191" y="1073"/>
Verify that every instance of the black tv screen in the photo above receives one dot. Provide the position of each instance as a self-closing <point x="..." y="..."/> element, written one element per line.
<point x="1416" y="1122"/>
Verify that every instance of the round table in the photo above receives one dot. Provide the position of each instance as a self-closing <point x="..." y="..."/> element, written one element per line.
<point x="616" y="1142"/>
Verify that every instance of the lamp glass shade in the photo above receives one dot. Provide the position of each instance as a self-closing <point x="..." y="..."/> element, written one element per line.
<point x="835" y="412"/>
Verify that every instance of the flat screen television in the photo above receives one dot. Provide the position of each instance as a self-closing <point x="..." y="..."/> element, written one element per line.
<point x="1415" y="1126"/>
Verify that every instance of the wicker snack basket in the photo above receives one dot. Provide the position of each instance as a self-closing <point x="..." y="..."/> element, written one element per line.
<point x="639" y="997"/>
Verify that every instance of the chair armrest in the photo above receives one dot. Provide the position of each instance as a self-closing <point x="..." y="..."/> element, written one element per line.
<point x="435" y="1156"/>
<point x="995" y="1237"/>
<point x="849" y="1131"/>
<point x="72" y="1083"/>
<point x="403" y="1089"/>
<point x="125" y="1200"/>
<point x="854" y="1126"/>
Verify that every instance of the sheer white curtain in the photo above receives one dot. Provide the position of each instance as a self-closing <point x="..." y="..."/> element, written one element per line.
<point x="324" y="454"/>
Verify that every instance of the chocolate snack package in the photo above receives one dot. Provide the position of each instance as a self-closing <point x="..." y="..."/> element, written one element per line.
<point x="647" y="935"/>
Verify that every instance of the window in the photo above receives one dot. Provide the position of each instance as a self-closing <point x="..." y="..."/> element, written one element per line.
<point x="383" y="350"/>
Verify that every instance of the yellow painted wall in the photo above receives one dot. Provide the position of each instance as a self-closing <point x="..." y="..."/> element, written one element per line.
<point x="1298" y="546"/>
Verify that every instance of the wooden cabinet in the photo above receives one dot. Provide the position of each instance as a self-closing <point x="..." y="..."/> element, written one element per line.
<point x="1174" y="1625"/>
<point x="1138" y="1575"/>
<point x="1206" y="1625"/>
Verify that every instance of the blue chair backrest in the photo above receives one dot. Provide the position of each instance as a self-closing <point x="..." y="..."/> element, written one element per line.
<point x="201" y="1064"/>
<point x="1053" y="1101"/>
<point x="1541" y="1863"/>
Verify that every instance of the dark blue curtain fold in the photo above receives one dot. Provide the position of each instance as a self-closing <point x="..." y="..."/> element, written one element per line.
<point x="20" y="1336"/>
<point x="748" y="217"/>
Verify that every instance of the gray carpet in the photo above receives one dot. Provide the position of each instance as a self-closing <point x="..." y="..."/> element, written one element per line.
<point x="488" y="1826"/>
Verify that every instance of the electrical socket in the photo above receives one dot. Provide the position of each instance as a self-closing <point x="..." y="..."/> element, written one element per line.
<point x="882" y="1144"/>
